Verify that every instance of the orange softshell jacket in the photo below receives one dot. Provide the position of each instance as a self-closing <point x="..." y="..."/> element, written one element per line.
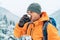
<point x="36" y="33"/>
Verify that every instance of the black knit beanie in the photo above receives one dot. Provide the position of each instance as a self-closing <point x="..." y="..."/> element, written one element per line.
<point x="34" y="7"/>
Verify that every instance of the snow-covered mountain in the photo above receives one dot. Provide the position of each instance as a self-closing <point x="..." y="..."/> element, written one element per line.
<point x="7" y="24"/>
<point x="8" y="14"/>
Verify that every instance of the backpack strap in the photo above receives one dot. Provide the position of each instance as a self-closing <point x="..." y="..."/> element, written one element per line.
<point x="28" y="26"/>
<point x="53" y="22"/>
<point x="45" y="30"/>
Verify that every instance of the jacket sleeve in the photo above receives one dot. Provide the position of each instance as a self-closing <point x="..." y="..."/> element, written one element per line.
<point x="19" y="31"/>
<point x="52" y="32"/>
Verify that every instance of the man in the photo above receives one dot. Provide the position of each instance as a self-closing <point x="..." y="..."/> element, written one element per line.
<point x="35" y="26"/>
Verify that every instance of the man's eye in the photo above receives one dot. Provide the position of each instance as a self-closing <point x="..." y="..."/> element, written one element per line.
<point x="30" y="11"/>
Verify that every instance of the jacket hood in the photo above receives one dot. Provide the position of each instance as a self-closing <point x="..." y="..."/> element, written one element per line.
<point x="43" y="17"/>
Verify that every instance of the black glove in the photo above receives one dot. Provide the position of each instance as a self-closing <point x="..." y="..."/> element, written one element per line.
<point x="23" y="20"/>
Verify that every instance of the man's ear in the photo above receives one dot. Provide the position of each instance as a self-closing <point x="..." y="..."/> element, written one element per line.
<point x="40" y="14"/>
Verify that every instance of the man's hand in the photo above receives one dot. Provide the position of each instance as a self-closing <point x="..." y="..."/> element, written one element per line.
<point x="23" y="20"/>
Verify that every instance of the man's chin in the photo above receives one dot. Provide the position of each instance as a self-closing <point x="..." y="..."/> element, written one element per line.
<point x="33" y="20"/>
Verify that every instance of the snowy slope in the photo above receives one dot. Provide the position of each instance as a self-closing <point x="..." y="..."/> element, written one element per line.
<point x="7" y="24"/>
<point x="10" y="16"/>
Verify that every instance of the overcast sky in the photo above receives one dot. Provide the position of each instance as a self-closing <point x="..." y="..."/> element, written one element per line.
<point x="19" y="7"/>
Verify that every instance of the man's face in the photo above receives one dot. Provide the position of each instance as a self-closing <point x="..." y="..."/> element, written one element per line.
<point x="34" y="15"/>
